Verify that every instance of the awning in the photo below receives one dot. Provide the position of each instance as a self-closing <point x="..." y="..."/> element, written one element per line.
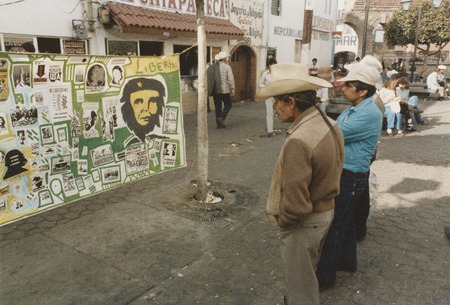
<point x="139" y="20"/>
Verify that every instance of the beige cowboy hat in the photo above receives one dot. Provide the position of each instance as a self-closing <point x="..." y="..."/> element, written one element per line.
<point x="363" y="73"/>
<point x="290" y="78"/>
<point x="221" y="55"/>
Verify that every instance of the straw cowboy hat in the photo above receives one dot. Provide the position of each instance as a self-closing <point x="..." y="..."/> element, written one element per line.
<point x="290" y="78"/>
<point x="363" y="73"/>
<point x="221" y="55"/>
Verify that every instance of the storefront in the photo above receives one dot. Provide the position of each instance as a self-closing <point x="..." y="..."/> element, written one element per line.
<point x="143" y="30"/>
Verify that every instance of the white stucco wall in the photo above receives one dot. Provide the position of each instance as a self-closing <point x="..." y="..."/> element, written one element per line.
<point x="324" y="22"/>
<point x="285" y="29"/>
<point x="39" y="17"/>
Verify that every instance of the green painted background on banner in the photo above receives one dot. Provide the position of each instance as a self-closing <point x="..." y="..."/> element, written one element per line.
<point x="73" y="126"/>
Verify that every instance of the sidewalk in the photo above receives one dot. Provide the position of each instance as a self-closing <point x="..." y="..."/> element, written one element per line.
<point x="143" y="244"/>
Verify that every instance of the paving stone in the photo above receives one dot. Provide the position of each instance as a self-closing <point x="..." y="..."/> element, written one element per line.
<point x="134" y="249"/>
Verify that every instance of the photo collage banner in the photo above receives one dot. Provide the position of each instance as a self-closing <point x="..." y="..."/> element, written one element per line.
<point x="75" y="125"/>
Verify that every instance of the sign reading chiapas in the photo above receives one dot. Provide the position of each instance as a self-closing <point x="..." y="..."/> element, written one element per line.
<point x="73" y="126"/>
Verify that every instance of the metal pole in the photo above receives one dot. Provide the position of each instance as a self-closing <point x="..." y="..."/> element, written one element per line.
<point x="413" y="66"/>
<point x="366" y="21"/>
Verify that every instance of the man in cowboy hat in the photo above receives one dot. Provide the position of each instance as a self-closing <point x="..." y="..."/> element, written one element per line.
<point x="306" y="176"/>
<point x="221" y="87"/>
<point x="360" y="124"/>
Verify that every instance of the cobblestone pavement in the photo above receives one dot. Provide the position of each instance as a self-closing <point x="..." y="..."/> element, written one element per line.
<point x="142" y="244"/>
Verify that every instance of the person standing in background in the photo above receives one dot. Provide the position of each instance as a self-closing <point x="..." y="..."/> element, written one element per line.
<point x="322" y="94"/>
<point x="360" y="125"/>
<point x="265" y="79"/>
<point x="314" y="69"/>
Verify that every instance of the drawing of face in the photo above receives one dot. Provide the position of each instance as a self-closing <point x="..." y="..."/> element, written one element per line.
<point x="143" y="101"/>
<point x="144" y="105"/>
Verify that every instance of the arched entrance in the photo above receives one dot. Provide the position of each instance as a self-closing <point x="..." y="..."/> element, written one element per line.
<point x="243" y="64"/>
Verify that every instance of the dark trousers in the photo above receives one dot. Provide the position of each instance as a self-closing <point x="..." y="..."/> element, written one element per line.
<point x="222" y="111"/>
<point x="339" y="249"/>
<point x="362" y="210"/>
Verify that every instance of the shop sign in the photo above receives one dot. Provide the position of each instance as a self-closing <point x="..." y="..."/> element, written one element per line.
<point x="15" y="44"/>
<point x="213" y="8"/>
<point x="322" y="24"/>
<point x="74" y="46"/>
<point x="248" y="16"/>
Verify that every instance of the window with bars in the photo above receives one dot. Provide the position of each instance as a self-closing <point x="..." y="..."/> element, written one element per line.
<point x="276" y="7"/>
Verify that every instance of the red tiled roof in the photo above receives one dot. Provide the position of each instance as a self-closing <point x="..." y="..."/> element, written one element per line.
<point x="138" y="19"/>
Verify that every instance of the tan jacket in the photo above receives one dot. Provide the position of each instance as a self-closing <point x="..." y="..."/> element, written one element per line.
<point x="307" y="173"/>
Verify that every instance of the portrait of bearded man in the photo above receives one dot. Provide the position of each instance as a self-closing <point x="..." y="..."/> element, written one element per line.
<point x="143" y="102"/>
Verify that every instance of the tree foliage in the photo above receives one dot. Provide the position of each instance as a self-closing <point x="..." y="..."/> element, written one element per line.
<point x="433" y="30"/>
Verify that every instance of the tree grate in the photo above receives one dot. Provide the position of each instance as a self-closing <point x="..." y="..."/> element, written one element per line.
<point x="236" y="200"/>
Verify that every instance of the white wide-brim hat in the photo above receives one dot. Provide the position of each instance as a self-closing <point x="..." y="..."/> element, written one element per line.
<point x="371" y="62"/>
<point x="221" y="55"/>
<point x="290" y="78"/>
<point x="363" y="73"/>
<point x="442" y="67"/>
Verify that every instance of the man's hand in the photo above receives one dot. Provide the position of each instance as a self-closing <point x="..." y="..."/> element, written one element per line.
<point x="232" y="91"/>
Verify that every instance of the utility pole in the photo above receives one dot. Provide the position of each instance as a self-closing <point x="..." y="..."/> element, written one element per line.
<point x="202" y="122"/>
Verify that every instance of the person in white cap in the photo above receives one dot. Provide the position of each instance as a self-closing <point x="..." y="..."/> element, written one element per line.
<point x="362" y="207"/>
<point x="360" y="124"/>
<point x="305" y="179"/>
<point x="442" y="79"/>
<point x="433" y="84"/>
<point x="221" y="87"/>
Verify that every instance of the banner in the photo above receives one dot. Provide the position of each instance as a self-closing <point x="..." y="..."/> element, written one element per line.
<point x="74" y="125"/>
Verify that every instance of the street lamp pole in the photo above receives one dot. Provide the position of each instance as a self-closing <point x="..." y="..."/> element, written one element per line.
<point x="366" y="21"/>
<point x="413" y="66"/>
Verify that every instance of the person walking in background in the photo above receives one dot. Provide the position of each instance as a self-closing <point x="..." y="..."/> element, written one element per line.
<point x="265" y="80"/>
<point x="305" y="179"/>
<point x="221" y="87"/>
<point x="360" y="124"/>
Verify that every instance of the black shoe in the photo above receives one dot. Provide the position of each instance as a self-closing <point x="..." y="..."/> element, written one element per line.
<point x="220" y="123"/>
<point x="360" y="238"/>
<point x="285" y="300"/>
<point x="324" y="286"/>
<point x="440" y="98"/>
<point x="447" y="232"/>
<point x="346" y="269"/>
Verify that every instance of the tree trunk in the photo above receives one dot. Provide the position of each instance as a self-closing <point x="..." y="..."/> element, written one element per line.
<point x="202" y="130"/>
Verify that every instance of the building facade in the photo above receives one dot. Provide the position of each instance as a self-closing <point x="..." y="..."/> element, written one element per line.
<point x="249" y="30"/>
